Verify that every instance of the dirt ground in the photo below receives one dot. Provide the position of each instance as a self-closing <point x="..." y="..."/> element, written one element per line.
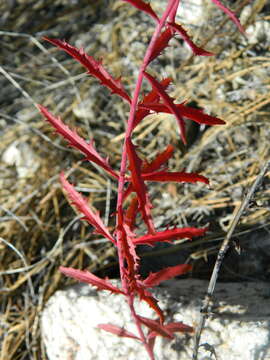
<point x="39" y="231"/>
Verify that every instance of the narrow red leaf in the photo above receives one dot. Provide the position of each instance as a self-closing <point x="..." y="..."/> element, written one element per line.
<point x="156" y="278"/>
<point x="231" y="14"/>
<point x="160" y="160"/>
<point x="141" y="5"/>
<point x="130" y="272"/>
<point x="197" y="50"/>
<point x="117" y="330"/>
<point x="152" y="302"/>
<point x="152" y="96"/>
<point x="76" y="141"/>
<point x="156" y="326"/>
<point x="135" y="164"/>
<point x="174" y="11"/>
<point x="89" y="278"/>
<point x="189" y="112"/>
<point x="199" y="116"/>
<point x="165" y="176"/>
<point x="169" y="235"/>
<point x="155" y="164"/>
<point x="81" y="204"/>
<point x="161" y="43"/>
<point x="130" y="261"/>
<point x="169" y="103"/>
<point x="179" y="327"/>
<point x="93" y="66"/>
<point x="172" y="327"/>
<point x="130" y="215"/>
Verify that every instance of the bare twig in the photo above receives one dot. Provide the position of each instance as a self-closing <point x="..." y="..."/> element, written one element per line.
<point x="221" y="254"/>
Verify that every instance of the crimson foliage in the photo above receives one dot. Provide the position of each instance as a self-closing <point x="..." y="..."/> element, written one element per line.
<point x="134" y="174"/>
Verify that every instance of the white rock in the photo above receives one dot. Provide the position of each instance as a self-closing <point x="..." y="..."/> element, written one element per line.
<point x="239" y="328"/>
<point x="20" y="155"/>
<point x="259" y="33"/>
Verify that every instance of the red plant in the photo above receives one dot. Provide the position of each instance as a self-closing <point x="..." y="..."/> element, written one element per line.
<point x="124" y="236"/>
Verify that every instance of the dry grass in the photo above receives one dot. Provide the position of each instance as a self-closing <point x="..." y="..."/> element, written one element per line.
<point x="39" y="231"/>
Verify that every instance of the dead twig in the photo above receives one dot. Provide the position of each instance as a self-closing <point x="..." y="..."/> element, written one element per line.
<point x="221" y="254"/>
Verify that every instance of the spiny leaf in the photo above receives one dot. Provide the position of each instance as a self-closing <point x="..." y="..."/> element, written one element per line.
<point x="152" y="302"/>
<point x="83" y="207"/>
<point x="174" y="176"/>
<point x="139" y="186"/>
<point x="172" y="327"/>
<point x="93" y="66"/>
<point x="117" y="330"/>
<point x="191" y="113"/>
<point x="129" y="267"/>
<point x="197" y="50"/>
<point x="155" y="164"/>
<point x="76" y="141"/>
<point x="156" y="326"/>
<point x="89" y="278"/>
<point x="231" y="14"/>
<point x="141" y="5"/>
<point x="169" y="103"/>
<point x="130" y="214"/>
<point x="156" y="278"/>
<point x="152" y="96"/>
<point x="134" y="285"/>
<point x="161" y="43"/>
<point x="169" y="235"/>
<point x="160" y="160"/>
<point x="179" y="327"/>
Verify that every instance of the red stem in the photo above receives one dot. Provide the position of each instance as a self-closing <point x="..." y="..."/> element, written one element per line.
<point x="123" y="168"/>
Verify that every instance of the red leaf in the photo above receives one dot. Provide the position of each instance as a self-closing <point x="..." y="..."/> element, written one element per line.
<point x="161" y="43"/>
<point x="160" y="159"/>
<point x="197" y="50"/>
<point x="156" y="326"/>
<point x="89" y="278"/>
<point x="139" y="186"/>
<point x="199" y="116"/>
<point x="174" y="176"/>
<point x="153" y="303"/>
<point x="141" y="5"/>
<point x="156" y="278"/>
<point x="169" y="235"/>
<point x="231" y="14"/>
<point x="152" y="96"/>
<point x="179" y="327"/>
<point x="169" y="103"/>
<point x="172" y="327"/>
<point x="117" y="330"/>
<point x="189" y="112"/>
<point x="82" y="205"/>
<point x="93" y="66"/>
<point x="130" y="215"/>
<point x="76" y="141"/>
<point x="130" y="265"/>
<point x="174" y="11"/>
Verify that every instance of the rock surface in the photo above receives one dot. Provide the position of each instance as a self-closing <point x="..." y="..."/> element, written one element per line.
<point x="237" y="329"/>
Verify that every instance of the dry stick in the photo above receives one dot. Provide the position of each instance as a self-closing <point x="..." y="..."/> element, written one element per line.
<point x="221" y="254"/>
